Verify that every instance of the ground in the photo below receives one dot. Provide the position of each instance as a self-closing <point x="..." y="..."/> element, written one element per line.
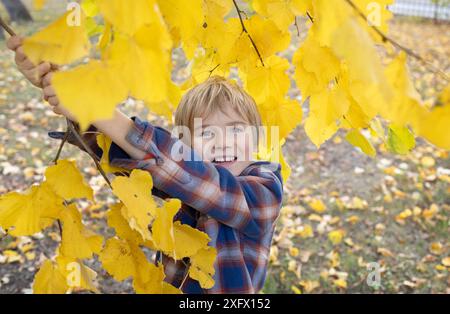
<point x="342" y="209"/>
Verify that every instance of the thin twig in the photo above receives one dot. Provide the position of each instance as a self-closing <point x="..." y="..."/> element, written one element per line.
<point x="296" y="26"/>
<point x="211" y="71"/>
<point x="66" y="136"/>
<point x="407" y="50"/>
<point x="60" y="228"/>
<point x="185" y="276"/>
<point x="6" y="27"/>
<point x="244" y="29"/>
<point x="310" y="17"/>
<point x="72" y="129"/>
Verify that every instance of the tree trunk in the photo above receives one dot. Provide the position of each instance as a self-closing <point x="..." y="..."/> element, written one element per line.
<point x="17" y="10"/>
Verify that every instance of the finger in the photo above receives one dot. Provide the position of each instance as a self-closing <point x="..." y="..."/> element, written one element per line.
<point x="56" y="110"/>
<point x="43" y="68"/>
<point x="20" y="55"/>
<point x="53" y="101"/>
<point x="33" y="77"/>
<point x="25" y="64"/>
<point x="14" y="42"/>
<point x="47" y="79"/>
<point x="49" y="91"/>
<point x="54" y="67"/>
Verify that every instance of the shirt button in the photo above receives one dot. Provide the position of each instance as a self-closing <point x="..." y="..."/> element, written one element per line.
<point x="160" y="161"/>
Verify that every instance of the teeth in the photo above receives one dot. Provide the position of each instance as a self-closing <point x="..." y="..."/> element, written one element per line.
<point x="222" y="159"/>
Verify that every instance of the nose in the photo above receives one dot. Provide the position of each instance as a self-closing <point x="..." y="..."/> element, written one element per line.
<point x="222" y="141"/>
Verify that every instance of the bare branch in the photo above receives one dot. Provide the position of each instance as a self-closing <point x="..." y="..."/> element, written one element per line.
<point x="407" y="50"/>
<point x="244" y="29"/>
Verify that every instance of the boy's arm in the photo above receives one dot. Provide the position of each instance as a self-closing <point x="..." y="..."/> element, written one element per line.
<point x="90" y="138"/>
<point x="116" y="129"/>
<point x="249" y="203"/>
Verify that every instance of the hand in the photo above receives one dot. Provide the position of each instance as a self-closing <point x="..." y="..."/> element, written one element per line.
<point x="49" y="95"/>
<point x="34" y="73"/>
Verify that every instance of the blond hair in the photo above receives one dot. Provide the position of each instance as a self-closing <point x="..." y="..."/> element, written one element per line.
<point x="212" y="95"/>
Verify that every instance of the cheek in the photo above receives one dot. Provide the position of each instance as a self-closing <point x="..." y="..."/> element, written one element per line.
<point x="244" y="146"/>
<point x="202" y="147"/>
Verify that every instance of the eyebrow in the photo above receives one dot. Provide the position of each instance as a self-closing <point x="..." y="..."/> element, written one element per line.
<point x="229" y="123"/>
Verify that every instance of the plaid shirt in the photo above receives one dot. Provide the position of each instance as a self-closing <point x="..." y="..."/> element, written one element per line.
<point x="237" y="212"/>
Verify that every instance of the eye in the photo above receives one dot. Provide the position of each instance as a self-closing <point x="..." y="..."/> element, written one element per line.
<point x="207" y="134"/>
<point x="238" y="129"/>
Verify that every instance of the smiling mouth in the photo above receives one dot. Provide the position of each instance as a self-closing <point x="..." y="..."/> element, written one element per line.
<point x="224" y="160"/>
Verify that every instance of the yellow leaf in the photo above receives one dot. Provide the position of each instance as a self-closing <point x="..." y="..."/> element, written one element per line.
<point x="78" y="275"/>
<point x="104" y="143"/>
<point x="268" y="81"/>
<point x="77" y="241"/>
<point x="128" y="16"/>
<point x="436" y="248"/>
<point x="283" y="114"/>
<point x="293" y="251"/>
<point x="300" y="7"/>
<point x="188" y="240"/>
<point x="142" y="62"/>
<point x="186" y="18"/>
<point x="385" y="252"/>
<point x="134" y="192"/>
<point x="430" y="212"/>
<point x="427" y="161"/>
<point x="49" y="280"/>
<point x="336" y="236"/>
<point x="341" y="283"/>
<point x="403" y="215"/>
<point x="400" y="139"/>
<point x="149" y="279"/>
<point x="169" y="289"/>
<point x="317" y="205"/>
<point x="31" y="211"/>
<point x="306" y="231"/>
<point x="434" y="126"/>
<point x="278" y="11"/>
<point x="71" y="184"/>
<point x="316" y="66"/>
<point x="326" y="109"/>
<point x="355" y="138"/>
<point x="122" y="259"/>
<point x="202" y="267"/>
<point x="309" y="285"/>
<point x="162" y="227"/>
<point x="121" y="226"/>
<point x="62" y="42"/>
<point x="90" y="7"/>
<point x="405" y="105"/>
<point x="86" y="103"/>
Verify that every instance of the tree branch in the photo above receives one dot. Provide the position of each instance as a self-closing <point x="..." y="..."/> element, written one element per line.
<point x="407" y="50"/>
<point x="6" y="27"/>
<point x="66" y="136"/>
<point x="71" y="127"/>
<point x="244" y="29"/>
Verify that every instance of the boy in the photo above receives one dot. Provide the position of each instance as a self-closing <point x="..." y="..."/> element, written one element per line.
<point x="234" y="199"/>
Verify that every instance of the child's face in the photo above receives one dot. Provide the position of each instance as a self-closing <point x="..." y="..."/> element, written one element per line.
<point x="225" y="138"/>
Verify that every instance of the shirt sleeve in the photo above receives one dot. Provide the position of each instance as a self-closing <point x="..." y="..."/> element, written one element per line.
<point x="249" y="203"/>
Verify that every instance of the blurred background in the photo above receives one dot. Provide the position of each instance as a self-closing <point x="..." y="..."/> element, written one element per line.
<point x="343" y="211"/>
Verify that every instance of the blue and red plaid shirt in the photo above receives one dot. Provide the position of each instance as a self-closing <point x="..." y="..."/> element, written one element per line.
<point x="237" y="212"/>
